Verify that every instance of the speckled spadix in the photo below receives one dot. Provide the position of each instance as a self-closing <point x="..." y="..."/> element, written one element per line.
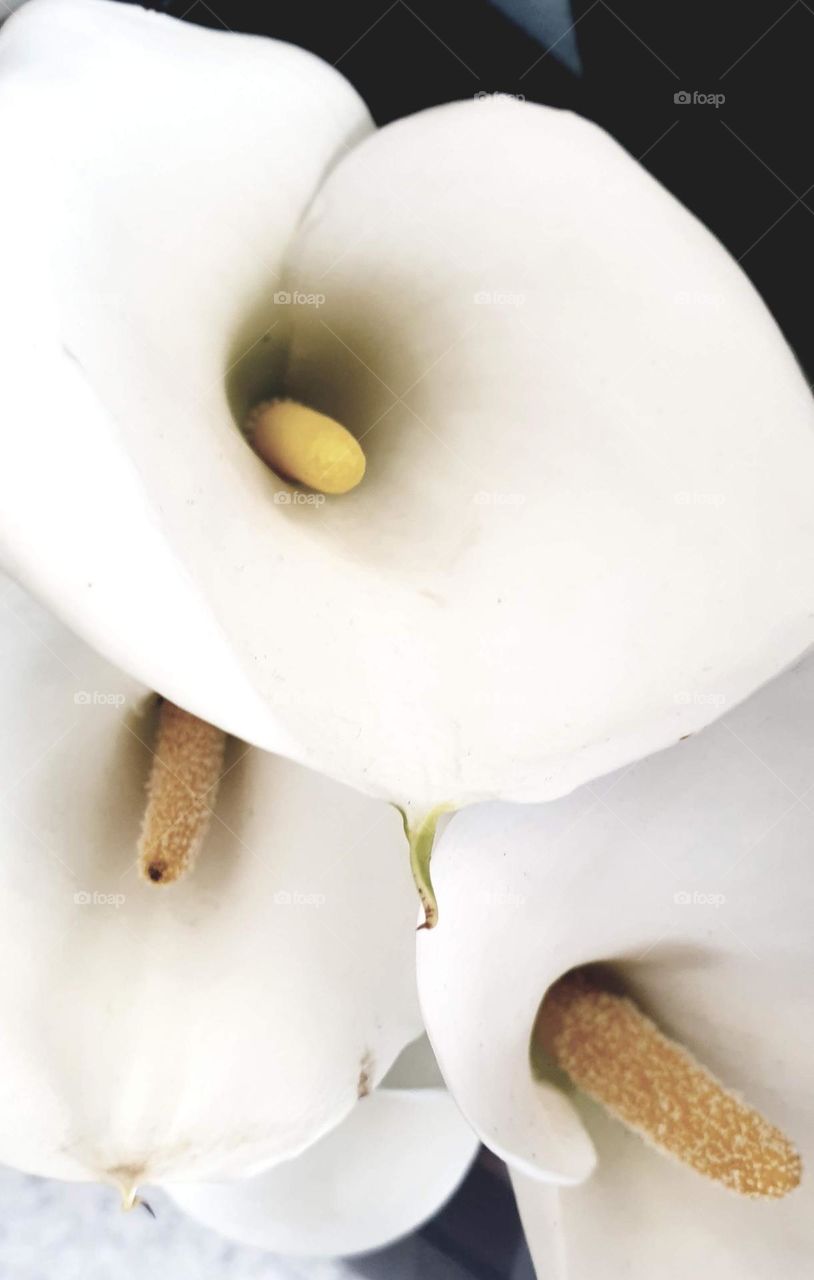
<point x="305" y="446"/>
<point x="181" y="791"/>
<point x="619" y="1058"/>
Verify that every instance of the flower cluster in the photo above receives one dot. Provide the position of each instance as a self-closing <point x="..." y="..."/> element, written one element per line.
<point x="327" y="583"/>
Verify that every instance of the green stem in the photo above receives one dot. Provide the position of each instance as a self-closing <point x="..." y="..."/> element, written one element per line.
<point x="421" y="838"/>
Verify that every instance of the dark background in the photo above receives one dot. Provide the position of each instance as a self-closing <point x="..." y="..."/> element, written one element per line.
<point x="746" y="168"/>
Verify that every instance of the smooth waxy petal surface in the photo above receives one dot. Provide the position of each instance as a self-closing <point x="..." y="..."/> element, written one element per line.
<point x="388" y="1167"/>
<point x="208" y="1028"/>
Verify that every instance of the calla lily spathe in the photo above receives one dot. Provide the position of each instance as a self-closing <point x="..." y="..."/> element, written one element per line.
<point x="691" y="875"/>
<point x="204" y="1031"/>
<point x="380" y="1174"/>
<point x="589" y="451"/>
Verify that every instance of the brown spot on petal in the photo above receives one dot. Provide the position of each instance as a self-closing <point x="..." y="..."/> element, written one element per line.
<point x="364" y="1084"/>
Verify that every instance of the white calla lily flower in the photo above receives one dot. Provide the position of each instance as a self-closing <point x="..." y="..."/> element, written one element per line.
<point x="690" y="876"/>
<point x="201" y="1031"/>
<point x="391" y="1165"/>
<point x="589" y="452"/>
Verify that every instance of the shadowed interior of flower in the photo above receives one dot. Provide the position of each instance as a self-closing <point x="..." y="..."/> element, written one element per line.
<point x="304" y="447"/>
<point x="617" y="1055"/>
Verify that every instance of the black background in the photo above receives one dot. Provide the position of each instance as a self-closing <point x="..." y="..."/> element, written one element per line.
<point x="744" y="168"/>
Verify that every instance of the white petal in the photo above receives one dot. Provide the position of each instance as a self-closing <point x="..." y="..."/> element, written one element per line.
<point x="389" y="1166"/>
<point x="641" y="1216"/>
<point x="691" y="873"/>
<point x="156" y="171"/>
<point x="571" y="504"/>
<point x="482" y="974"/>
<point x="539" y="1206"/>
<point x="202" y="1030"/>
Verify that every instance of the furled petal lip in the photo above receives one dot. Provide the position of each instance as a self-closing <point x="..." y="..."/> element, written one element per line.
<point x="176" y="581"/>
<point x="689" y="873"/>
<point x="641" y="1216"/>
